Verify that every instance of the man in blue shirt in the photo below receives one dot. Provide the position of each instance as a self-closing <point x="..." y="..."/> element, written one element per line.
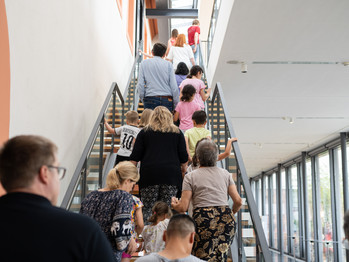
<point x="157" y="84"/>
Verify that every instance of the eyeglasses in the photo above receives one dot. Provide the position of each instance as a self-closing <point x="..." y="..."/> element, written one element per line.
<point x="60" y="170"/>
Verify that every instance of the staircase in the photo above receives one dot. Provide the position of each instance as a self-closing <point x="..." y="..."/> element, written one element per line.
<point x="90" y="178"/>
<point x="100" y="152"/>
<point x="99" y="157"/>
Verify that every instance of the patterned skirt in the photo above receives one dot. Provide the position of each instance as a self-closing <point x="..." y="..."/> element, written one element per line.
<point x="215" y="230"/>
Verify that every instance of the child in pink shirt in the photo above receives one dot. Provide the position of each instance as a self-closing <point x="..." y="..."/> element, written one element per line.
<point x="186" y="108"/>
<point x="194" y="79"/>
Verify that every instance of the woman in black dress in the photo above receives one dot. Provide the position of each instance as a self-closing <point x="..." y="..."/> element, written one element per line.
<point x="161" y="149"/>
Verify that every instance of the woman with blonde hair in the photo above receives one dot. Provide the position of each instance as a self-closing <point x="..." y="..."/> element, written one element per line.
<point x="181" y="52"/>
<point x="145" y="117"/>
<point x="160" y="147"/>
<point x="112" y="206"/>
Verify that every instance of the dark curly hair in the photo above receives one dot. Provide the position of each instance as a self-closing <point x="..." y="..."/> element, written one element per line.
<point x="187" y="93"/>
<point x="182" y="69"/>
<point x="194" y="71"/>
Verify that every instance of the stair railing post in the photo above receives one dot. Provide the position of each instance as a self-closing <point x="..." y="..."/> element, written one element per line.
<point x="238" y="185"/>
<point x="83" y="180"/>
<point x="225" y="141"/>
<point x="101" y="147"/>
<point x="218" y="120"/>
<point x="113" y="123"/>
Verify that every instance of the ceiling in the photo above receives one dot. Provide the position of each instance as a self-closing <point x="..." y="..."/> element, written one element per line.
<point x="265" y="35"/>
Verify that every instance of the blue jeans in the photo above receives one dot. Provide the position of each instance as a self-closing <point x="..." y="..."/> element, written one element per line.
<point x="152" y="101"/>
<point x="196" y="54"/>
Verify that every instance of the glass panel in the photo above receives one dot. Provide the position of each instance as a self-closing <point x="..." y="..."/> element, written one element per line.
<point x="181" y="4"/>
<point x="284" y="209"/>
<point x="212" y="31"/>
<point x="325" y="206"/>
<point x="265" y="217"/>
<point x="339" y="177"/>
<point x="310" y="210"/>
<point x="274" y="211"/>
<point x="77" y="198"/>
<point x="182" y="25"/>
<point x="294" y="205"/>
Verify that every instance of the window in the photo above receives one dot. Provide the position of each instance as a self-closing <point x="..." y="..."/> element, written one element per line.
<point x="294" y="205"/>
<point x="265" y="217"/>
<point x="310" y="208"/>
<point x="274" y="210"/>
<point x="339" y="177"/>
<point x="284" y="209"/>
<point x="325" y="206"/>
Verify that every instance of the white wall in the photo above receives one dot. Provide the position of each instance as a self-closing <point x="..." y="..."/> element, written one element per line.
<point x="64" y="56"/>
<point x="205" y="14"/>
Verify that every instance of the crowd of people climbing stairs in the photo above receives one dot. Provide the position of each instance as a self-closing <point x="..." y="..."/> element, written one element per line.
<point x="181" y="212"/>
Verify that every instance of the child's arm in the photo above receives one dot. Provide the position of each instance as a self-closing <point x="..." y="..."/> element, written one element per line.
<point x="139" y="220"/>
<point x="145" y="54"/>
<point x="109" y="128"/>
<point x="227" y="149"/>
<point x="175" y="116"/>
<point x="188" y="151"/>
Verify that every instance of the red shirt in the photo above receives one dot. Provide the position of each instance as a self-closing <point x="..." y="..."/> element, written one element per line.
<point x="191" y="34"/>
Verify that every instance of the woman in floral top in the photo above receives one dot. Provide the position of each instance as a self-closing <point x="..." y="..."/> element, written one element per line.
<point x="112" y="207"/>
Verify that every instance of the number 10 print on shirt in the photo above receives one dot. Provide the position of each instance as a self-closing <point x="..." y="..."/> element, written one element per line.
<point x="127" y="134"/>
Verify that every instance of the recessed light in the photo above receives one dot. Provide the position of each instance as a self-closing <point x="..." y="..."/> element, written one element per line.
<point x="233" y="62"/>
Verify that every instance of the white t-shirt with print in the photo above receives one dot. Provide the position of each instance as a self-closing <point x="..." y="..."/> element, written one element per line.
<point x="127" y="136"/>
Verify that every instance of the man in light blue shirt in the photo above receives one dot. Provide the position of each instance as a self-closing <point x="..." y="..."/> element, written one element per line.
<point x="157" y="84"/>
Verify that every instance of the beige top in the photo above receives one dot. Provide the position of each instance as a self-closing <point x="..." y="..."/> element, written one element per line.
<point x="209" y="186"/>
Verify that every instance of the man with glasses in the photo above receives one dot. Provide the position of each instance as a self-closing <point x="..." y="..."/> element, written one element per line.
<point x="32" y="228"/>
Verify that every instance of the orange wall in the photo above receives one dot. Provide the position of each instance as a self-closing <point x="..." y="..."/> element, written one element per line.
<point x="4" y="76"/>
<point x="119" y="2"/>
<point x="130" y="23"/>
<point x="4" y="79"/>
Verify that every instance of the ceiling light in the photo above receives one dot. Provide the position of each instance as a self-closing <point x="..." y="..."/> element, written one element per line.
<point x="243" y="67"/>
<point x="233" y="62"/>
<point x="291" y="120"/>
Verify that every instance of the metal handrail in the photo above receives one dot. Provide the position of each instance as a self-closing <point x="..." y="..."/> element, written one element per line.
<point x="99" y="124"/>
<point x="218" y="93"/>
<point x="100" y="119"/>
<point x="138" y="56"/>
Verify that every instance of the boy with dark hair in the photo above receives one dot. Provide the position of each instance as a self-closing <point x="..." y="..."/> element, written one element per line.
<point x="193" y="135"/>
<point x="128" y="134"/>
<point x="179" y="239"/>
<point x="159" y="49"/>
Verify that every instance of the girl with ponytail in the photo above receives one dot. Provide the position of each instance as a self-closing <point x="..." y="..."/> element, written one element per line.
<point x="186" y="108"/>
<point x="152" y="234"/>
<point x="194" y="79"/>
